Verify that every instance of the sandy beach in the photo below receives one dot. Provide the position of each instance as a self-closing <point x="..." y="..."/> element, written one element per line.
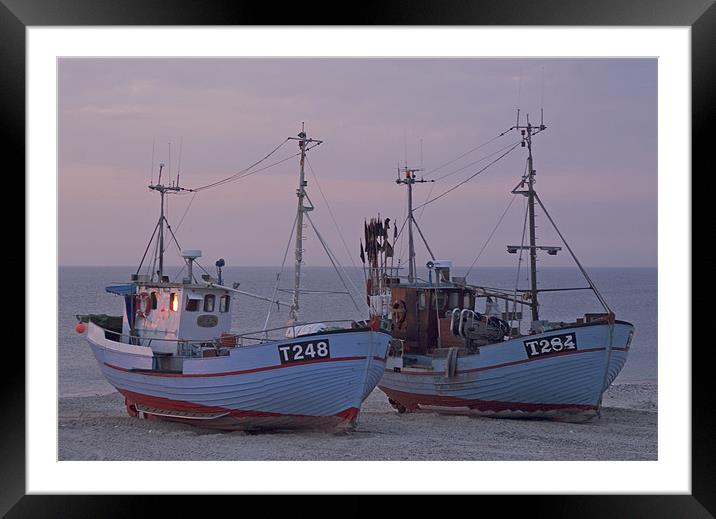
<point x="97" y="428"/>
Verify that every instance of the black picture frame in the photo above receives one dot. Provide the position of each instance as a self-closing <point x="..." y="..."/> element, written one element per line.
<point x="699" y="15"/>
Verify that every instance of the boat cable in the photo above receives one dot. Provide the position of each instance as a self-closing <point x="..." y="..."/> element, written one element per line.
<point x="247" y="171"/>
<point x="492" y="154"/>
<point x="400" y="232"/>
<point x="279" y="273"/>
<point x="513" y="147"/>
<point x="243" y="172"/>
<point x="479" y="146"/>
<point x="519" y="262"/>
<point x="599" y="297"/>
<point x="151" y="168"/>
<point x="330" y="212"/>
<point x="331" y="253"/>
<point x="432" y="186"/>
<point x="494" y="230"/>
<point x="186" y="211"/>
<point x="151" y="269"/>
<point x="331" y="257"/>
<point x="151" y="239"/>
<point x="178" y="274"/>
<point x="508" y="149"/>
<point x="574" y="257"/>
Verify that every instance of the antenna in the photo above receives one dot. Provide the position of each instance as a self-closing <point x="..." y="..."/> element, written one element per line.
<point x="181" y="144"/>
<point x="151" y="170"/>
<point x="541" y="110"/>
<point x="170" y="161"/>
<point x="303" y="142"/>
<point x="421" y="154"/>
<point x="409" y="180"/>
<point x="527" y="132"/>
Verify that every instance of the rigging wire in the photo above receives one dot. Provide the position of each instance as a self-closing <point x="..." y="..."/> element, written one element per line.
<point x="330" y="212"/>
<point x="241" y="173"/>
<point x="153" y="266"/>
<point x="329" y="252"/>
<point x="468" y="178"/>
<point x="333" y="262"/>
<point x="574" y="257"/>
<point x="479" y="146"/>
<point x="430" y="191"/>
<point x="181" y="144"/>
<point x="186" y="211"/>
<point x="151" y="171"/>
<point x="245" y="173"/>
<point x="476" y="161"/>
<point x="491" y="235"/>
<point x="151" y="239"/>
<point x="400" y="232"/>
<point x="519" y="263"/>
<point x="278" y="275"/>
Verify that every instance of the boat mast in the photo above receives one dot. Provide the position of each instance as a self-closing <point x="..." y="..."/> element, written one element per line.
<point x="302" y="208"/>
<point x="531" y="209"/>
<point x="409" y="179"/>
<point x="162" y="219"/>
<point x="527" y="131"/>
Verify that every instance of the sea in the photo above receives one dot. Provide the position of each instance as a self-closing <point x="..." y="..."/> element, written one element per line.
<point x="630" y="292"/>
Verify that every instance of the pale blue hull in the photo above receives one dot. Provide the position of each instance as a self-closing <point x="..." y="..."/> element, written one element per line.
<point x="503" y="379"/>
<point x="251" y="388"/>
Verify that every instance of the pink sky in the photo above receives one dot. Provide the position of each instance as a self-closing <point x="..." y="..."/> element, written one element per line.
<point x="596" y="163"/>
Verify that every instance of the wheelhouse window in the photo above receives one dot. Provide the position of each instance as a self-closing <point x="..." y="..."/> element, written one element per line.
<point x="153" y="298"/>
<point x="192" y="303"/>
<point x="421" y="300"/>
<point x="224" y="302"/>
<point x="441" y="299"/>
<point x="454" y="300"/>
<point x="209" y="302"/>
<point x="173" y="301"/>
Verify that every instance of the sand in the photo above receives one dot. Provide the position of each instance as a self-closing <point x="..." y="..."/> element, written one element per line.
<point x="97" y="428"/>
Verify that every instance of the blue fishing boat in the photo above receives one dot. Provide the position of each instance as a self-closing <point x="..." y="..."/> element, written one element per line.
<point x="460" y="348"/>
<point x="173" y="356"/>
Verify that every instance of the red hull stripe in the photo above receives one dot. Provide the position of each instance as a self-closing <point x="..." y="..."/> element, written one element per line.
<point x="241" y="372"/>
<point x="512" y="363"/>
<point x="168" y="404"/>
<point x="412" y="400"/>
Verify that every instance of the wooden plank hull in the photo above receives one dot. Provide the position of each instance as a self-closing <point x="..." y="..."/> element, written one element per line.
<point x="251" y="388"/>
<point x="504" y="380"/>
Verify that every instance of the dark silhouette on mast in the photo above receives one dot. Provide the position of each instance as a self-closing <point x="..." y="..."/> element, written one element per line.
<point x="528" y="131"/>
<point x="409" y="179"/>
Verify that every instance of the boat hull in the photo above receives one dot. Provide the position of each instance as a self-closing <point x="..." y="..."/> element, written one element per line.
<point x="504" y="380"/>
<point x="251" y="388"/>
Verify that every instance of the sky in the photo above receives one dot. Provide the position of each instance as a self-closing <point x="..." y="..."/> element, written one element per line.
<point x="207" y="119"/>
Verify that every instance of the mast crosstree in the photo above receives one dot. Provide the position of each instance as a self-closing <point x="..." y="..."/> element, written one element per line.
<point x="527" y="131"/>
<point x="303" y="141"/>
<point x="408" y="179"/>
<point x="162" y="190"/>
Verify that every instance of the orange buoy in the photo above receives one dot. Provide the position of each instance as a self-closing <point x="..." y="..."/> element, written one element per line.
<point x="80" y="328"/>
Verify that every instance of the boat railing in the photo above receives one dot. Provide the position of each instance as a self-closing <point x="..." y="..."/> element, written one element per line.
<point x="185" y="347"/>
<point x="195" y="347"/>
<point x="261" y="336"/>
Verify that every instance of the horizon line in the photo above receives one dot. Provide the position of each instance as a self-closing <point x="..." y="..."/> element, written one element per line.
<point x="351" y="266"/>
